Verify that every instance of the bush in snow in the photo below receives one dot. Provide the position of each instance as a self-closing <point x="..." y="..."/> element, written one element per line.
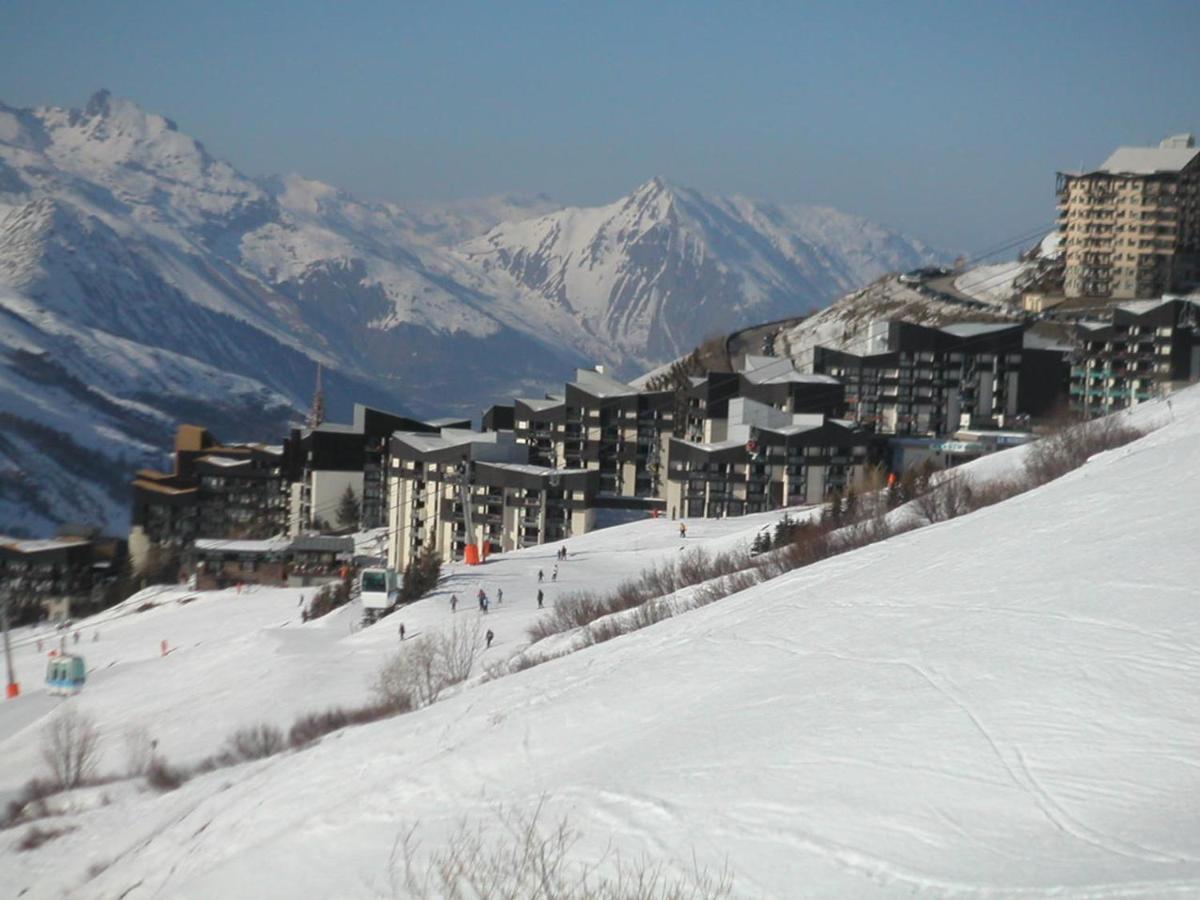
<point x="951" y="497"/>
<point x="162" y="776"/>
<point x="1069" y="448"/>
<point x="255" y="742"/>
<point x="417" y="674"/>
<point x="35" y="837"/>
<point x="519" y="858"/>
<point x="311" y="726"/>
<point x="70" y="747"/>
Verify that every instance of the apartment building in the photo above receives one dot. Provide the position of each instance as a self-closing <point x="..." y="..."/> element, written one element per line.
<point x="323" y="462"/>
<point x="767" y="459"/>
<point x="1147" y="349"/>
<point x="460" y="488"/>
<point x="1131" y="228"/>
<point x="540" y="425"/>
<point x="57" y="577"/>
<point x="214" y="490"/>
<point x="936" y="380"/>
<point x="769" y="380"/>
<point x="619" y="431"/>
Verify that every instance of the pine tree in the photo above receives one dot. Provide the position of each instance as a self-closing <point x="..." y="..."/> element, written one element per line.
<point x="421" y="574"/>
<point x="348" y="509"/>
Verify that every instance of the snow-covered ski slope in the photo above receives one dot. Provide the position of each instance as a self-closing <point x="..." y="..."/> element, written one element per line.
<point x="237" y="658"/>
<point x="1000" y="705"/>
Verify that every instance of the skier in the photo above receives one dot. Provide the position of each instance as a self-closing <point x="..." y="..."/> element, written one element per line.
<point x="539" y="598"/>
<point x="483" y="604"/>
<point x="453" y="602"/>
<point x="401" y="631"/>
<point x="554" y="574"/>
<point x="489" y="637"/>
<point x="541" y="575"/>
<point x="499" y="596"/>
<point x="683" y="529"/>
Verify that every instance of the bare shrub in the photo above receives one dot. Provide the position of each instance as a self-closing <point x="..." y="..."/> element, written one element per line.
<point x="139" y="751"/>
<point x="644" y="616"/>
<point x="411" y="677"/>
<point x="458" y="648"/>
<point x="949" y="498"/>
<point x="162" y="776"/>
<point x="517" y="858"/>
<point x="1057" y="454"/>
<point x="35" y="836"/>
<point x="997" y="490"/>
<point x="70" y="747"/>
<point x="416" y="675"/>
<point x="255" y="742"/>
<point x="694" y="567"/>
<point x="311" y="726"/>
<point x="30" y="803"/>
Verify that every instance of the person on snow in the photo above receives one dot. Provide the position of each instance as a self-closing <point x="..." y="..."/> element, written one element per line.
<point x="453" y="602"/>
<point x="499" y="596"/>
<point x="489" y="637"/>
<point x="539" y="598"/>
<point x="541" y="575"/>
<point x="401" y="631"/>
<point x="683" y="529"/>
<point x="554" y="574"/>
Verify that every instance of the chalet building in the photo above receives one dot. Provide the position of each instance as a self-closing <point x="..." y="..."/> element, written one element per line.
<point x="215" y="490"/>
<point x="769" y="380"/>
<point x="279" y="561"/>
<point x="324" y="461"/>
<point x="934" y="381"/>
<point x="767" y="459"/>
<point x="315" y="559"/>
<point x="219" y="564"/>
<point x="1147" y="350"/>
<point x="1131" y="228"/>
<point x="58" y="577"/>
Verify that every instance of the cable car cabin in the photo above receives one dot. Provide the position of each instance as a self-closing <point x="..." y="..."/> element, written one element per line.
<point x="378" y="592"/>
<point x="65" y="674"/>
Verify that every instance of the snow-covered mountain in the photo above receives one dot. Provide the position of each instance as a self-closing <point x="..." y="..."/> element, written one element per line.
<point x="143" y="281"/>
<point x="657" y="272"/>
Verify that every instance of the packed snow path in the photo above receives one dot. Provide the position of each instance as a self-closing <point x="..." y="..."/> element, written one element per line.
<point x="1001" y="705"/>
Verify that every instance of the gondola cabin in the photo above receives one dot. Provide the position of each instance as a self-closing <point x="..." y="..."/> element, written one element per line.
<point x="378" y="591"/>
<point x="65" y="674"/>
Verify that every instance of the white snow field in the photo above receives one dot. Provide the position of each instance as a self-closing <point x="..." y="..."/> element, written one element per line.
<point x="999" y="705"/>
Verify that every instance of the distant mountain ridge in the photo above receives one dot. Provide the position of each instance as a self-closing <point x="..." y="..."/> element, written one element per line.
<point x="655" y="273"/>
<point x="143" y="281"/>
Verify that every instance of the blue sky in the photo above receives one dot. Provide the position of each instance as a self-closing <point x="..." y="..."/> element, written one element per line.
<point x="946" y="120"/>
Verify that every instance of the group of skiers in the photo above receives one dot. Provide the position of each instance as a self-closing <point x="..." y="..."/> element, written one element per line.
<point x="485" y="602"/>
